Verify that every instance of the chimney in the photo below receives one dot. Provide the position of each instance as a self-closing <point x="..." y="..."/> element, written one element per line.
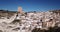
<point x="20" y="10"/>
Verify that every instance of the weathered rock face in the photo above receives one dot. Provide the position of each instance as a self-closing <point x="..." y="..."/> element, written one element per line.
<point x="27" y="22"/>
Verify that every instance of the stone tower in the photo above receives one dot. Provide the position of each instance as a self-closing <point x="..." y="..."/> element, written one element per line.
<point x="20" y="10"/>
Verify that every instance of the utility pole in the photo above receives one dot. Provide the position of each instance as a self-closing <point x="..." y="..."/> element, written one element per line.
<point x="7" y="15"/>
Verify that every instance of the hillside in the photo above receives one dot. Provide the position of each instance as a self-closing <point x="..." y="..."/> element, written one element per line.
<point x="29" y="21"/>
<point x="6" y="13"/>
<point x="55" y="11"/>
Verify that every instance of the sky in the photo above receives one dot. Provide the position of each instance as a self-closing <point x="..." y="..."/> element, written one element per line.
<point x="30" y="5"/>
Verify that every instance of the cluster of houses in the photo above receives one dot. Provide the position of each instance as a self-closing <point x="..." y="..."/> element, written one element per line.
<point x="42" y="20"/>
